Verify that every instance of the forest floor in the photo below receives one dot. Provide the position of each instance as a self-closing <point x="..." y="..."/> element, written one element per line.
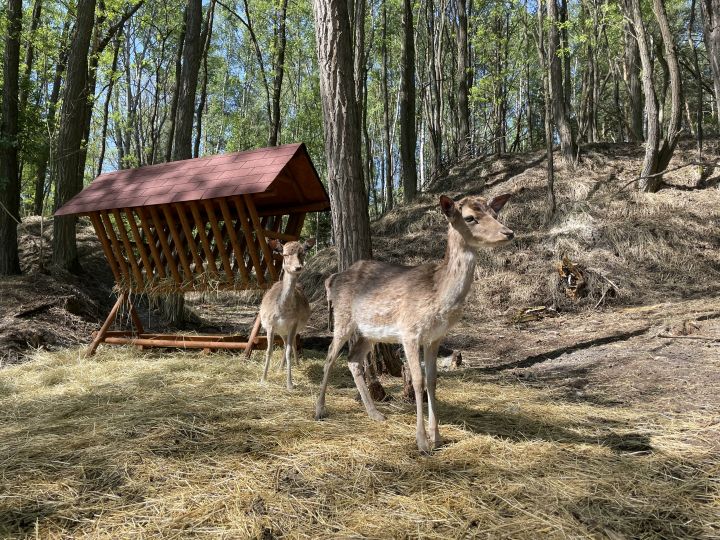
<point x="589" y="416"/>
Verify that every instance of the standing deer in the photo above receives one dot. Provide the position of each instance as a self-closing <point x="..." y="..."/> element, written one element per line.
<point x="412" y="305"/>
<point x="285" y="309"/>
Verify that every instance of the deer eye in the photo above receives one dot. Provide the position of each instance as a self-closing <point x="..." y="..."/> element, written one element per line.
<point x="469" y="219"/>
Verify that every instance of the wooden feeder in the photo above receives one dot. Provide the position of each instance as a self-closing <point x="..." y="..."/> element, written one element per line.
<point x="198" y="225"/>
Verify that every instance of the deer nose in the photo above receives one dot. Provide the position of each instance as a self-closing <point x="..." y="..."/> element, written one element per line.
<point x="509" y="234"/>
<point x="297" y="268"/>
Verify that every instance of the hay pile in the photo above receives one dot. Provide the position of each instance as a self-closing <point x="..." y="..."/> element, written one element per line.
<point x="185" y="445"/>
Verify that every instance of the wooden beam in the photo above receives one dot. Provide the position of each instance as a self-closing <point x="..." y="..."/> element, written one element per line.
<point x="207" y="248"/>
<point x="117" y="250"/>
<point x="177" y="241"/>
<point x="100" y="336"/>
<point x="260" y="236"/>
<point x="151" y="241"/>
<point x="128" y="250"/>
<point x="237" y="249"/>
<point x="139" y="244"/>
<point x="160" y="231"/>
<point x="219" y="242"/>
<point x="187" y="229"/>
<point x="102" y="235"/>
<point x="249" y="240"/>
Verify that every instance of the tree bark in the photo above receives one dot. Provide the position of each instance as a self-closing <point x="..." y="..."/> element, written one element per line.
<point x="68" y="162"/>
<point x="9" y="143"/>
<point x="561" y="114"/>
<point x="462" y="68"/>
<point x="106" y="107"/>
<point x="632" y="82"/>
<point x="711" y="25"/>
<point x="408" y="136"/>
<point x="205" y="39"/>
<point x="279" y="72"/>
<point x="548" y="91"/>
<point x="387" y="148"/>
<point x="351" y="225"/>
<point x="176" y="93"/>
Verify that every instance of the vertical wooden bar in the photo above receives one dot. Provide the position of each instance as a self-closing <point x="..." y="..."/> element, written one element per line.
<point x="160" y="231"/>
<point x="102" y="235"/>
<point x="207" y="248"/>
<point x="137" y="322"/>
<point x="104" y="328"/>
<point x="179" y="244"/>
<point x="219" y="242"/>
<point x="249" y="242"/>
<point x="128" y="249"/>
<point x="260" y="236"/>
<point x="151" y="241"/>
<point x="239" y="253"/>
<point x="117" y="250"/>
<point x="147" y="264"/>
<point x="187" y="229"/>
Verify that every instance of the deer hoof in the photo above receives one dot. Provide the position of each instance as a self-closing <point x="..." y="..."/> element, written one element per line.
<point x="436" y="443"/>
<point x="377" y="416"/>
<point x="320" y="414"/>
<point x="290" y="386"/>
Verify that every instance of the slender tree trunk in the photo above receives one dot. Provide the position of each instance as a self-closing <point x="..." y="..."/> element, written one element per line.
<point x="698" y="82"/>
<point x="549" y="99"/>
<point x="632" y="82"/>
<point x="408" y="136"/>
<point x="68" y="163"/>
<point x="106" y="107"/>
<point x="561" y="114"/>
<point x="387" y="152"/>
<point x="351" y="226"/>
<point x="462" y="68"/>
<point x="30" y="56"/>
<point x="205" y="38"/>
<point x="9" y="143"/>
<point x="279" y="71"/>
<point x="711" y="24"/>
<point x="176" y="93"/>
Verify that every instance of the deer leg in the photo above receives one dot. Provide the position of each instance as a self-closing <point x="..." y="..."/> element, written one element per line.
<point x="356" y="359"/>
<point x="431" y="351"/>
<point x="289" y="351"/>
<point x="268" y="352"/>
<point x="337" y="344"/>
<point x="412" y="353"/>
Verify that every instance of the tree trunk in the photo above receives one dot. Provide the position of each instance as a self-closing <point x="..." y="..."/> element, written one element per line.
<point x="176" y="93"/>
<point x="279" y="72"/>
<point x="652" y="139"/>
<point x="548" y="90"/>
<point x="698" y="82"/>
<point x="9" y="142"/>
<point x="711" y="25"/>
<point x="408" y="136"/>
<point x="387" y="152"/>
<point x="205" y="39"/>
<point x="462" y="68"/>
<point x="68" y="163"/>
<point x="632" y="82"/>
<point x="561" y="114"/>
<point x="348" y="200"/>
<point x="106" y="107"/>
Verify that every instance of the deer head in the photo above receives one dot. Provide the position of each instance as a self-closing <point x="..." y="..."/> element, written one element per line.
<point x="475" y="218"/>
<point x="293" y="254"/>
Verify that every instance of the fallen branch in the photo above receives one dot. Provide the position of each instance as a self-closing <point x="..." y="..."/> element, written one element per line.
<point x="705" y="338"/>
<point x="692" y="164"/>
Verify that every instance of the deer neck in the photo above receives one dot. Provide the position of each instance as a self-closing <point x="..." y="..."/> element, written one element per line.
<point x="287" y="293"/>
<point x="454" y="275"/>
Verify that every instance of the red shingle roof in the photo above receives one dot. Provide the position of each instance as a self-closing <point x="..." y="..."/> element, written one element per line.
<point x="225" y="175"/>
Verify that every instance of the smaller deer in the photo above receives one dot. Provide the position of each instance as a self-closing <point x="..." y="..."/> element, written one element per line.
<point x="285" y="309"/>
<point x="416" y="306"/>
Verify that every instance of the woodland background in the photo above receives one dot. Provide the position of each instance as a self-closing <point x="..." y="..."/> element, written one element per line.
<point x="407" y="89"/>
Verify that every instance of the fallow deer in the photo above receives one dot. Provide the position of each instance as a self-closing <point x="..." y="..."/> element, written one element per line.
<point x="285" y="309"/>
<point x="415" y="306"/>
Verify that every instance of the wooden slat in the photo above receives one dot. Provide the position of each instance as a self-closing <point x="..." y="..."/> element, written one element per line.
<point x="285" y="237"/>
<point x="187" y="229"/>
<point x="100" y="336"/>
<point x="117" y="250"/>
<point x="128" y="249"/>
<point x="102" y="235"/>
<point x="295" y="224"/>
<point x="219" y="242"/>
<point x="179" y="244"/>
<point x="259" y="235"/>
<point x="139" y="244"/>
<point x="249" y="241"/>
<point x="160" y="231"/>
<point x="207" y="248"/>
<point x="152" y="243"/>
<point x="239" y="252"/>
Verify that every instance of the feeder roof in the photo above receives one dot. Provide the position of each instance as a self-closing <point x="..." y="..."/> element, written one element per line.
<point x="278" y="178"/>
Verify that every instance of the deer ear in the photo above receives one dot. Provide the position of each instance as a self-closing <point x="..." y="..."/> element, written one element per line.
<point x="447" y="205"/>
<point x="275" y="245"/>
<point x="497" y="202"/>
<point x="309" y="243"/>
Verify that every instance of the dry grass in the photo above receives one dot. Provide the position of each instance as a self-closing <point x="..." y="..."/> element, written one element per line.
<point x="176" y="445"/>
